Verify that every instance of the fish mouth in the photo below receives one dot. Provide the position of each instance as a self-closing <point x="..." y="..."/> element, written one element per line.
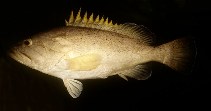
<point x="19" y="56"/>
<point x="15" y="55"/>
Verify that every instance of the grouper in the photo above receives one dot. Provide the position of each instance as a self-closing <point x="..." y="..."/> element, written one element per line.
<point x="91" y="47"/>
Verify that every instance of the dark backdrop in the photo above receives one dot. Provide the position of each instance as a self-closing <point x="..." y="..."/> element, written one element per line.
<point x="24" y="89"/>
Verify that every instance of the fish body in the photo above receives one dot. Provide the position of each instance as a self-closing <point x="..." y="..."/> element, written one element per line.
<point x="89" y="49"/>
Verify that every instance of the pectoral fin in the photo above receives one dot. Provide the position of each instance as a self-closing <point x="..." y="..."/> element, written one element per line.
<point x="74" y="87"/>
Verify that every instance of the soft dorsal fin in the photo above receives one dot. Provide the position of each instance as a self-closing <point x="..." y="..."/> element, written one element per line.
<point x="131" y="30"/>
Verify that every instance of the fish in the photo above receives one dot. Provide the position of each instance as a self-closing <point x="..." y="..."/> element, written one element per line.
<point x="91" y="47"/>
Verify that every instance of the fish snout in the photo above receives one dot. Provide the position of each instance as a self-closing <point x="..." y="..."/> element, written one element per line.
<point x="14" y="54"/>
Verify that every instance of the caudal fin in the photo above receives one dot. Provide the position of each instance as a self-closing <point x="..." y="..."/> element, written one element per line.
<point x="180" y="54"/>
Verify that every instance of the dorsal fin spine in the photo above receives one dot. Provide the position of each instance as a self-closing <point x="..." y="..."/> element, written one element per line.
<point x="110" y="23"/>
<point x="101" y="21"/>
<point x="91" y="20"/>
<point x="78" y="17"/>
<point x="97" y="19"/>
<point x="106" y="22"/>
<point x="129" y="30"/>
<point x="71" y="19"/>
<point x="84" y="20"/>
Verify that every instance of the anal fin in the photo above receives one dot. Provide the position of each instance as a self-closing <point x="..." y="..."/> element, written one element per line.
<point x="123" y="76"/>
<point x="74" y="87"/>
<point x="139" y="72"/>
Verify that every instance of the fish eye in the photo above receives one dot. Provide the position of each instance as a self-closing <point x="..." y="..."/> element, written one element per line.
<point x="27" y="42"/>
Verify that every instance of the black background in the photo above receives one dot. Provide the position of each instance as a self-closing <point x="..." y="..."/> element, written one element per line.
<point x="24" y="89"/>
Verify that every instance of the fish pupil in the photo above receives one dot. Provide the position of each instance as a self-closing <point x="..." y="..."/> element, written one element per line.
<point x="27" y="42"/>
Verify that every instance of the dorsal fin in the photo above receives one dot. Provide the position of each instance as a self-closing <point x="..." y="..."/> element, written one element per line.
<point x="133" y="30"/>
<point x="129" y="29"/>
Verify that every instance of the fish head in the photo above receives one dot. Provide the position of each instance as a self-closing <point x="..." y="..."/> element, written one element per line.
<point x="29" y="52"/>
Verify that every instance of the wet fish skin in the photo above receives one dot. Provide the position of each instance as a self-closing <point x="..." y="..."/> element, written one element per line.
<point x="89" y="49"/>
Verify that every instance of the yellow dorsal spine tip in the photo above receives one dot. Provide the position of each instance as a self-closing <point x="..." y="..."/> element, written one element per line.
<point x="91" y="19"/>
<point x="78" y="17"/>
<point x="71" y="19"/>
<point x="85" y="18"/>
<point x="101" y="21"/>
<point x="106" y="22"/>
<point x="97" y="19"/>
<point x="110" y="23"/>
<point x="91" y="22"/>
